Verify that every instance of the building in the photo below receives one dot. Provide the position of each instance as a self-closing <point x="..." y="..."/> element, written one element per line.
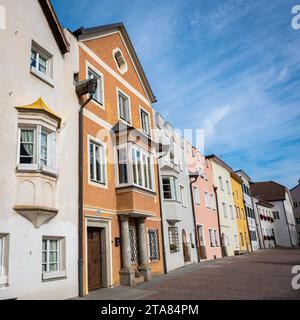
<point x="121" y="224"/>
<point x="205" y="207"/>
<point x="176" y="205"/>
<point x="295" y="193"/>
<point x="39" y="122"/>
<point x="242" y="222"/>
<point x="227" y="215"/>
<point x="252" y="223"/>
<point x="279" y="196"/>
<point x="265" y="223"/>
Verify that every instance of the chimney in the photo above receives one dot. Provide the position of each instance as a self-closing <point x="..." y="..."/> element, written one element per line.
<point x="299" y="181"/>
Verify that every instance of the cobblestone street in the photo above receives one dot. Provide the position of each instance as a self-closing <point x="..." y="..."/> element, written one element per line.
<point x="261" y="275"/>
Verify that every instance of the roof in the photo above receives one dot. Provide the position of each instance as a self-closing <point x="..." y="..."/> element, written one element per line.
<point x="55" y="26"/>
<point x="40" y="106"/>
<point x="219" y="161"/>
<point x="297" y="186"/>
<point x="244" y="174"/>
<point x="236" y="177"/>
<point x="86" y="32"/>
<point x="268" y="191"/>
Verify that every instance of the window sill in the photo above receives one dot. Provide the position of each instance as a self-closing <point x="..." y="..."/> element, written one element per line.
<point x="42" y="76"/>
<point x="33" y="168"/>
<point x="98" y="104"/>
<point x="97" y="184"/>
<point x="51" y="276"/>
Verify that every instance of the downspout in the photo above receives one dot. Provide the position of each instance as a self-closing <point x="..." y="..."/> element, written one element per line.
<point x="80" y="199"/>
<point x="161" y="217"/>
<point x="194" y="214"/>
<point x="245" y="212"/>
<point x="219" y="224"/>
<point x="260" y="234"/>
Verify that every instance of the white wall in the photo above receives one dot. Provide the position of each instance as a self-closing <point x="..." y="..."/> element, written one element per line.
<point x="26" y="22"/>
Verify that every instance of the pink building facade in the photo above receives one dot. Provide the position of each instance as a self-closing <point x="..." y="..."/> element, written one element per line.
<point x="205" y="207"/>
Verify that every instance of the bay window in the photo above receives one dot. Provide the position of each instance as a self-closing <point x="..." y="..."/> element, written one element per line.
<point x="169" y="188"/>
<point x="36" y="148"/>
<point x="140" y="172"/>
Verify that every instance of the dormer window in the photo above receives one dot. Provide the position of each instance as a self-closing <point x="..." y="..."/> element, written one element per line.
<point x="41" y="63"/>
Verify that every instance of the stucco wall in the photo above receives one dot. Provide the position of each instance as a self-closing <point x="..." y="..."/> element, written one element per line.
<point x="26" y="22"/>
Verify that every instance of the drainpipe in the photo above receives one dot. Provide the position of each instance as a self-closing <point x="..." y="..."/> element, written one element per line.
<point x="195" y="176"/>
<point x="161" y="214"/>
<point x="219" y="224"/>
<point x="82" y="88"/>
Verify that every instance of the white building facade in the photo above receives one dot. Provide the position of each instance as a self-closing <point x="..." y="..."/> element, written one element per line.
<point x="177" y="210"/>
<point x="39" y="152"/>
<point x="295" y="194"/>
<point x="226" y="209"/>
<point x="249" y="210"/>
<point x="283" y="215"/>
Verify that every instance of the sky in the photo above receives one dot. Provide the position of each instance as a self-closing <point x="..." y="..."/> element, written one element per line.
<point x="229" y="67"/>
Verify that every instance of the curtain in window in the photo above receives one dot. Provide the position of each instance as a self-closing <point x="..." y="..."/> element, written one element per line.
<point x="27" y="145"/>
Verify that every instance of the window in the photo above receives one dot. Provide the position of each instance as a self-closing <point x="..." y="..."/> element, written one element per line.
<point x="211" y="238"/>
<point x="207" y="199"/>
<point x="41" y="63"/>
<point x="201" y="235"/>
<point x="153" y="244"/>
<point x="212" y="200"/>
<point x="242" y="213"/>
<point x="98" y="95"/>
<point x="120" y="61"/>
<point x="241" y="239"/>
<point x="3" y="259"/>
<point x="183" y="196"/>
<point x="145" y="122"/>
<point x="196" y="195"/>
<point x="224" y="210"/>
<point x="122" y="166"/>
<point x="298" y="220"/>
<point x="221" y="183"/>
<point x="216" y="238"/>
<point x="173" y="239"/>
<point x="236" y="240"/>
<point x="37" y="147"/>
<point x="97" y="162"/>
<point x="238" y="212"/>
<point x="133" y="246"/>
<point x="124" y="107"/>
<point x="142" y="169"/>
<point x="52" y="258"/>
<point x="228" y="187"/>
<point x="169" y="188"/>
<point x="231" y="212"/>
<point x="276" y="215"/>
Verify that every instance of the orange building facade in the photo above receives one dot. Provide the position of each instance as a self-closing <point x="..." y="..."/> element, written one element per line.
<point x="122" y="241"/>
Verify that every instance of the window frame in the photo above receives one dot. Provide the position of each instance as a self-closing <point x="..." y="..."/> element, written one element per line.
<point x="99" y="75"/>
<point x="122" y="93"/>
<point x="61" y="272"/>
<point x="4" y="259"/>
<point x="37" y="164"/>
<point x="183" y="197"/>
<point x="175" y="239"/>
<point x="156" y="249"/>
<point x="48" y="57"/>
<point x="225" y="214"/>
<point x="103" y="167"/>
<point x="173" y="188"/>
<point x="197" y="199"/>
<point x="142" y="110"/>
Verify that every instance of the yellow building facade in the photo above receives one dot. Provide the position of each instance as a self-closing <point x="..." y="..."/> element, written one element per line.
<point x="242" y="224"/>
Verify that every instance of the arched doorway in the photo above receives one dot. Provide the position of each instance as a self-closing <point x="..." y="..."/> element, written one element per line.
<point x="185" y="246"/>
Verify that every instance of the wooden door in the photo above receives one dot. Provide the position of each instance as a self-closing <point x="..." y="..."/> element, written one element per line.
<point x="94" y="259"/>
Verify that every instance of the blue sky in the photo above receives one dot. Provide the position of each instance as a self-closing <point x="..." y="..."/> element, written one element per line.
<point x="230" y="67"/>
